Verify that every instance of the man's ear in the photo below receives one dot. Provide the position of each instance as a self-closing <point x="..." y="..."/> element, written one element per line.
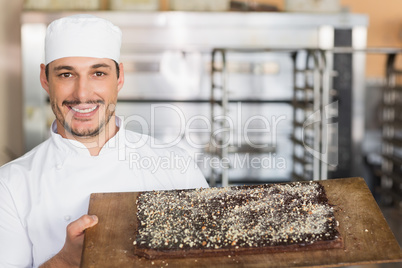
<point x="120" y="81"/>
<point x="43" y="79"/>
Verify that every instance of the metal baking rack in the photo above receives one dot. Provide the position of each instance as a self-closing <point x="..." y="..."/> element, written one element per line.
<point x="220" y="100"/>
<point x="307" y="92"/>
<point x="314" y="105"/>
<point x="391" y="171"/>
<point x="312" y="97"/>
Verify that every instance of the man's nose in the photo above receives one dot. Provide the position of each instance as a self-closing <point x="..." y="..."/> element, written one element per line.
<point x="82" y="90"/>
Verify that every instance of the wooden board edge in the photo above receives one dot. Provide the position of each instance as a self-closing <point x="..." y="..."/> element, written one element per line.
<point x="86" y="247"/>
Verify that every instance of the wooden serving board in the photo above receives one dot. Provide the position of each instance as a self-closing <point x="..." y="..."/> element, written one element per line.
<point x="367" y="237"/>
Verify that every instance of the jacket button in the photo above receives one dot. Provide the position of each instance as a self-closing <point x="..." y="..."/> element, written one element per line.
<point x="67" y="218"/>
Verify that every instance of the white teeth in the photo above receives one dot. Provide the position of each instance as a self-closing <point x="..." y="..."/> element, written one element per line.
<point x="84" y="111"/>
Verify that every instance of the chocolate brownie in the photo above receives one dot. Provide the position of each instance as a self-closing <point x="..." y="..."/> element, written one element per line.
<point x="235" y="220"/>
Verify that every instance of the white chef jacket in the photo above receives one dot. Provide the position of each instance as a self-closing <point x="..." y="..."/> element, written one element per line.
<point x="47" y="188"/>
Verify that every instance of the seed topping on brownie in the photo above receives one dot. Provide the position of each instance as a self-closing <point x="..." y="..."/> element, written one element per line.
<point x="233" y="217"/>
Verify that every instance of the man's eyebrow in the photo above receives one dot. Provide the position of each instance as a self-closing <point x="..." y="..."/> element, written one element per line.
<point x="70" y="68"/>
<point x="63" y="67"/>
<point x="100" y="65"/>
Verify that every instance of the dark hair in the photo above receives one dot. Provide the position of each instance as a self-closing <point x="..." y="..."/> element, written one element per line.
<point x="117" y="70"/>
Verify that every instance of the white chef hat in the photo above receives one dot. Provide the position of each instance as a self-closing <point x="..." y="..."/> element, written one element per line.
<point x="82" y="36"/>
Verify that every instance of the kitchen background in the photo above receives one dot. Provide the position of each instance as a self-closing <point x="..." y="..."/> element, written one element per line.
<point x="168" y="61"/>
<point x="161" y="71"/>
<point x="262" y="82"/>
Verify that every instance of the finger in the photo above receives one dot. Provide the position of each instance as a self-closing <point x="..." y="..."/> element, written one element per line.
<point x="77" y="228"/>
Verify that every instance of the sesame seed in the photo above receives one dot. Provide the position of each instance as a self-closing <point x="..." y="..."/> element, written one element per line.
<point x="237" y="216"/>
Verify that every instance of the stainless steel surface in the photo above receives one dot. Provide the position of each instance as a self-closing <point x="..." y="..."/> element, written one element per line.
<point x="221" y="19"/>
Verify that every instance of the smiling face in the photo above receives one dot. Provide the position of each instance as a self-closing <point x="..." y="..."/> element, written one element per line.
<point x="83" y="94"/>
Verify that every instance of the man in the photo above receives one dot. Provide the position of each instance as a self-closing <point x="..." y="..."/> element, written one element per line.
<point x="44" y="195"/>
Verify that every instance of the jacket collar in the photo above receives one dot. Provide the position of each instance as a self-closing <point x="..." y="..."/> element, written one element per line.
<point x="72" y="146"/>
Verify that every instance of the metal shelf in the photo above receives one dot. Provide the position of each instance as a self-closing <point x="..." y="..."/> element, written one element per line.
<point x="220" y="108"/>
<point x="391" y="176"/>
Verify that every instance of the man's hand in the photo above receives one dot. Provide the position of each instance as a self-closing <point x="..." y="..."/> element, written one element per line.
<point x="70" y="254"/>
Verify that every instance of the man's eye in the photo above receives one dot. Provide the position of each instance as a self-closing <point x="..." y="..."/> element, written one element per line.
<point x="66" y="75"/>
<point x="99" y="73"/>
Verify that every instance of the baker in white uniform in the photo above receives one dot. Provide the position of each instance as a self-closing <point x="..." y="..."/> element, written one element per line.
<point x="44" y="195"/>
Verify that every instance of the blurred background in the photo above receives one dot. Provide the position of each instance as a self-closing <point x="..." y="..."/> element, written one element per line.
<point x="266" y="64"/>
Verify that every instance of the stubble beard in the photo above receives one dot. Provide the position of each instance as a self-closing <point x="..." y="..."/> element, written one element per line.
<point x="84" y="133"/>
